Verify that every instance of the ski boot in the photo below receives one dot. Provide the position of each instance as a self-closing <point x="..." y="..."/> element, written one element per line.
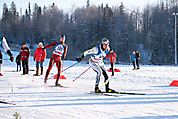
<point x="108" y="90"/>
<point x="45" y="80"/>
<point x="57" y="84"/>
<point x="97" y="90"/>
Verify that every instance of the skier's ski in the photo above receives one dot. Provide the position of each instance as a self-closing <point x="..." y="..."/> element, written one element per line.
<point x="131" y="93"/>
<point x="58" y="86"/>
<point x="7" y="103"/>
<point x="105" y="94"/>
<point x="116" y="94"/>
<point x="126" y="93"/>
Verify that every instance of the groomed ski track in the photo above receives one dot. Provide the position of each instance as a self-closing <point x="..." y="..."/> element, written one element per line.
<point x="35" y="101"/>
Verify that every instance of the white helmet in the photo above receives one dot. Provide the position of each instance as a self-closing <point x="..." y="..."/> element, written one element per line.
<point x="105" y="41"/>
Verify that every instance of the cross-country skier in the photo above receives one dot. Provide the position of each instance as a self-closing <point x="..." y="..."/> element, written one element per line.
<point x="96" y="62"/>
<point x="39" y="57"/>
<point x="59" y="52"/>
<point x="3" y="43"/>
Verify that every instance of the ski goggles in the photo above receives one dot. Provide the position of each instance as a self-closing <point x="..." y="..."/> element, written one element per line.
<point x="105" y="41"/>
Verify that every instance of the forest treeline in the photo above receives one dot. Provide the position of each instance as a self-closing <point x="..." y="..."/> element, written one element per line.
<point x="150" y="31"/>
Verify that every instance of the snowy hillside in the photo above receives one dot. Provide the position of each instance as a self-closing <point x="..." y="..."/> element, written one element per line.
<point x="35" y="101"/>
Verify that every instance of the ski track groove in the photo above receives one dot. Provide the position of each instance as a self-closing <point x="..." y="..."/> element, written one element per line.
<point x="43" y="102"/>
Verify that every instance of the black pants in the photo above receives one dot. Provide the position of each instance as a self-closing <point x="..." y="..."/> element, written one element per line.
<point x="112" y="68"/>
<point x="25" y="66"/>
<point x="133" y="64"/>
<point x="137" y="62"/>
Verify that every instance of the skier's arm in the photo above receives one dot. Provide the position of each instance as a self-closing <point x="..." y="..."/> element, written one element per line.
<point x="5" y="45"/>
<point x="7" y="49"/>
<point x="65" y="51"/>
<point x="87" y="52"/>
<point x="51" y="45"/>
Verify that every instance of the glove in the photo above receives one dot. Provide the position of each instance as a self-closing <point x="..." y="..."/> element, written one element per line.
<point x="63" y="57"/>
<point x="11" y="58"/>
<point x="43" y="49"/>
<point x="34" y="59"/>
<point x="79" y="59"/>
<point x="42" y="60"/>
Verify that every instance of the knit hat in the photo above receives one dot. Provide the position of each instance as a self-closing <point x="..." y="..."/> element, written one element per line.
<point x="40" y="43"/>
<point x="63" y="36"/>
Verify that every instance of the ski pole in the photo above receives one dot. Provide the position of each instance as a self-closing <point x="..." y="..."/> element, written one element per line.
<point x="82" y="73"/>
<point x="4" y="59"/>
<point x="64" y="70"/>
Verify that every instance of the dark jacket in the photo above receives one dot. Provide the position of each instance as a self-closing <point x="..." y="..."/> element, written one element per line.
<point x="137" y="56"/>
<point x="18" y="60"/>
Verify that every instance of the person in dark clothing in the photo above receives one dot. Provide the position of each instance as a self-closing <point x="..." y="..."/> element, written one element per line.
<point x="19" y="62"/>
<point x="25" y="54"/>
<point x="137" y="56"/>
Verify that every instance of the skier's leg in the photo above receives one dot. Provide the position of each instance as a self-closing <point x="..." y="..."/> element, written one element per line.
<point x="59" y="66"/>
<point x="51" y="62"/>
<point x="98" y="70"/>
<point x="106" y="81"/>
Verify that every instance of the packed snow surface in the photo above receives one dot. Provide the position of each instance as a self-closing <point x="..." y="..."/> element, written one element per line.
<point x="34" y="100"/>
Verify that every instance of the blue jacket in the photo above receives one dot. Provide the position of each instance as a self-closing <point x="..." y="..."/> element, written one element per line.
<point x="132" y="57"/>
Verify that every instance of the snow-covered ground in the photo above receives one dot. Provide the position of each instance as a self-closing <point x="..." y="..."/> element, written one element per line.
<point x="35" y="101"/>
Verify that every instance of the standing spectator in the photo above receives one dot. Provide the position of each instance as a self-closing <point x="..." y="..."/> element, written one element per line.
<point x="19" y="62"/>
<point x="112" y="57"/>
<point x="132" y="58"/>
<point x="137" y="56"/>
<point x="25" y="54"/>
<point x="39" y="57"/>
<point x="59" y="52"/>
<point x="3" y="43"/>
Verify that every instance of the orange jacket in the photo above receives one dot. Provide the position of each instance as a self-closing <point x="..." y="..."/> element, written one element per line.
<point x="112" y="57"/>
<point x="39" y="56"/>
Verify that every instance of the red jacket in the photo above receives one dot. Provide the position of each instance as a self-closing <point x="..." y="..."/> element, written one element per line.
<point x="112" y="57"/>
<point x="25" y="53"/>
<point x="39" y="55"/>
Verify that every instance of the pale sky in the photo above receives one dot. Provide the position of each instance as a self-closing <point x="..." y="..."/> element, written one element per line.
<point x="66" y="5"/>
